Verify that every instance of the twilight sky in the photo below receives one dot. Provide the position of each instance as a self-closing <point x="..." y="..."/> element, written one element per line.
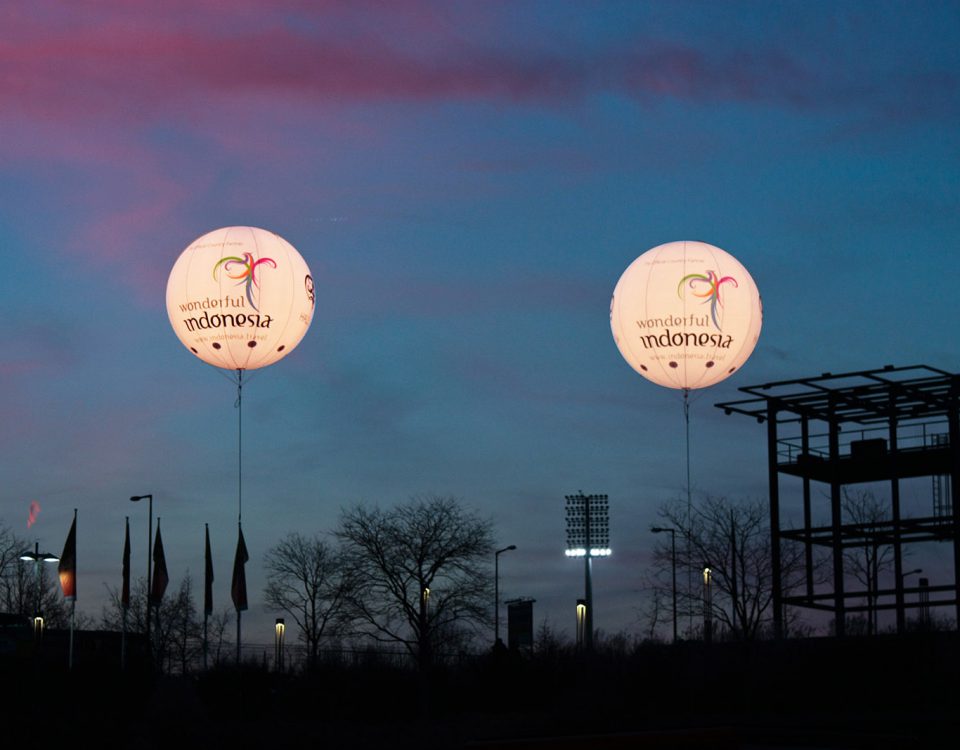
<point x="467" y="181"/>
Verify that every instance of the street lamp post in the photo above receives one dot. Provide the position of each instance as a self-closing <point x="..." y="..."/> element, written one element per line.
<point x="673" y="565"/>
<point x="149" y="499"/>
<point x="581" y="619"/>
<point x="923" y="598"/>
<point x="588" y="536"/>
<point x="707" y="603"/>
<point x="279" y="631"/>
<point x="37" y="557"/>
<point x="496" y="592"/>
<point x="911" y="573"/>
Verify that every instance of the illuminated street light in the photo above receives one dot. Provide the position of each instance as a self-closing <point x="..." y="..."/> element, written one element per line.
<point x="279" y="630"/>
<point x="496" y="591"/>
<point x="37" y="557"/>
<point x="673" y="565"/>
<point x="581" y="619"/>
<point x="707" y="603"/>
<point x="588" y="536"/>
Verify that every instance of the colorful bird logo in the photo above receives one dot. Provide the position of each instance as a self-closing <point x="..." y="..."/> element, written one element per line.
<point x="712" y="292"/>
<point x="247" y="273"/>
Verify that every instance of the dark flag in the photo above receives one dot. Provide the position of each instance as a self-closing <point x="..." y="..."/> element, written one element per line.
<point x="238" y="588"/>
<point x="160" y="577"/>
<point x="68" y="564"/>
<point x="125" y="590"/>
<point x="208" y="577"/>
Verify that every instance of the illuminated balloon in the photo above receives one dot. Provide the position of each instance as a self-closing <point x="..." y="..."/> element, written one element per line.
<point x="240" y="298"/>
<point x="686" y="315"/>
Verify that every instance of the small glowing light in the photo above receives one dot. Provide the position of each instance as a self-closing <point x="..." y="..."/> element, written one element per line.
<point x="426" y="594"/>
<point x="280" y="627"/>
<point x="600" y="552"/>
<point x="707" y="573"/>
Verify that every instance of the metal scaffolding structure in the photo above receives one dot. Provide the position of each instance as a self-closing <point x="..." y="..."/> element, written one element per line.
<point x="883" y="425"/>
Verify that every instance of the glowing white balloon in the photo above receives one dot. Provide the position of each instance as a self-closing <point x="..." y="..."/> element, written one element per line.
<point x="686" y="314"/>
<point x="240" y="298"/>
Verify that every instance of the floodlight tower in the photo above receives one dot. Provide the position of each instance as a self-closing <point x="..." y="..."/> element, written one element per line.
<point x="588" y="536"/>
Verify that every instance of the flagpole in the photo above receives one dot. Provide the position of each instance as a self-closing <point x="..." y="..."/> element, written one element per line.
<point x="73" y="603"/>
<point x="73" y="617"/>
<point x="125" y="594"/>
<point x="236" y="604"/>
<point x="207" y="590"/>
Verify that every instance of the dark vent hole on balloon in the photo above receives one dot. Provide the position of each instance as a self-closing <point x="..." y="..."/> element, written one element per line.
<point x="194" y="350"/>
<point x="710" y="364"/>
<point x="643" y="367"/>
<point x="673" y="364"/>
<point x="281" y="347"/>
<point x="216" y="345"/>
<point x="251" y="344"/>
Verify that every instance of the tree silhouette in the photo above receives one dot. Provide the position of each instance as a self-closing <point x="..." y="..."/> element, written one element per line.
<point x="867" y="561"/>
<point x="175" y="633"/>
<point x="19" y="583"/>
<point x="419" y="572"/>
<point x="307" y="580"/>
<point x="733" y="538"/>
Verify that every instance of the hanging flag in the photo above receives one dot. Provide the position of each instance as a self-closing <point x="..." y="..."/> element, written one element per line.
<point x="238" y="589"/>
<point x="208" y="576"/>
<point x="68" y="564"/>
<point x="160" y="577"/>
<point x="125" y="590"/>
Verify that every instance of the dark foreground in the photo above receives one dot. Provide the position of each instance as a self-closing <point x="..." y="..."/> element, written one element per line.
<point x="890" y="692"/>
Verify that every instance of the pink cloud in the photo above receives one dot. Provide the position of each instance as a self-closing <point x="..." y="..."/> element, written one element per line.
<point x="138" y="64"/>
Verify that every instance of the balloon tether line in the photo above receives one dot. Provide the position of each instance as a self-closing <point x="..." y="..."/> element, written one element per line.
<point x="239" y="405"/>
<point x="686" y="419"/>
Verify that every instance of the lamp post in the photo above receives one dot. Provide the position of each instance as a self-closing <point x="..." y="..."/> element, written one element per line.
<point x="581" y="620"/>
<point x="707" y="603"/>
<point x="38" y="557"/>
<point x="279" y="629"/>
<point x="923" y="598"/>
<point x="149" y="499"/>
<point x="910" y="573"/>
<point x="588" y="536"/>
<point x="496" y="592"/>
<point x="673" y="565"/>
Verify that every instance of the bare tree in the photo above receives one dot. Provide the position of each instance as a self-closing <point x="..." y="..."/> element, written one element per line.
<point x="307" y="580"/>
<point x="111" y="616"/>
<point x="175" y="633"/>
<point x="419" y="572"/>
<point x="866" y="562"/>
<point x="10" y="548"/>
<point x="23" y="582"/>
<point x="733" y="539"/>
<point x="218" y="635"/>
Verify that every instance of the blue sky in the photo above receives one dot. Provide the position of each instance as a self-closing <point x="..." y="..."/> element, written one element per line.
<point x="467" y="182"/>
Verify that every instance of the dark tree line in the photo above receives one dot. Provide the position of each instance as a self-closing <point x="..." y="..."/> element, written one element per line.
<point x="416" y="575"/>
<point x="27" y="587"/>
<point x="733" y="540"/>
